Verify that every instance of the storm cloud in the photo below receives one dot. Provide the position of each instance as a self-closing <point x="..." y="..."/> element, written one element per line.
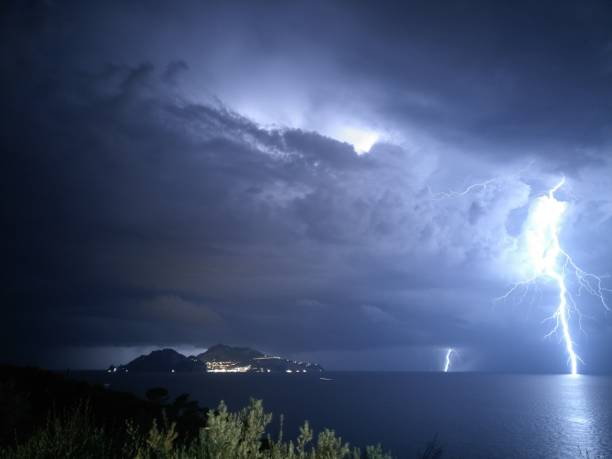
<point x="186" y="174"/>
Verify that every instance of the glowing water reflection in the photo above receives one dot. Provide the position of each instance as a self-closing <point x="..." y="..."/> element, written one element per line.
<point x="581" y="430"/>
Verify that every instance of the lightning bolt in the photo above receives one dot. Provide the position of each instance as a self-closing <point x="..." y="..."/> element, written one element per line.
<point x="550" y="261"/>
<point x="447" y="361"/>
<point x="455" y="194"/>
<point x="474" y="187"/>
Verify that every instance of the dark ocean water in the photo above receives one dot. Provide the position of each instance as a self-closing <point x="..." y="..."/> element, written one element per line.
<point x="473" y="415"/>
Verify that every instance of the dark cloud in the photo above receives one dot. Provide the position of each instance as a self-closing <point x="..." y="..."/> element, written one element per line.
<point x="183" y="175"/>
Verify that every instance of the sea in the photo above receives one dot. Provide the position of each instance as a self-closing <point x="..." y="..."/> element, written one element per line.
<point x="470" y="415"/>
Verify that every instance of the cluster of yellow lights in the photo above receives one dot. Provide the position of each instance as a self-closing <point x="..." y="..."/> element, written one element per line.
<point x="226" y="367"/>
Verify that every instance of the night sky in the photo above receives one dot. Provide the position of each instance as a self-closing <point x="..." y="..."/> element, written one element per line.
<point x="287" y="176"/>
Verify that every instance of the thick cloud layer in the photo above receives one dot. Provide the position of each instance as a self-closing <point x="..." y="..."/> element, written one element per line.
<point x="184" y="174"/>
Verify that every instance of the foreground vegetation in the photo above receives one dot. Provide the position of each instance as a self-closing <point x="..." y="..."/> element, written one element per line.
<point x="228" y="435"/>
<point x="97" y="423"/>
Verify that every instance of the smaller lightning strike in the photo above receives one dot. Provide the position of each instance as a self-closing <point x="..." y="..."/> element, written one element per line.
<point x="447" y="360"/>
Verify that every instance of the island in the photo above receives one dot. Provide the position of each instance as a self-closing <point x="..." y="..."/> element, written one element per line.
<point x="162" y="360"/>
<point x="219" y="358"/>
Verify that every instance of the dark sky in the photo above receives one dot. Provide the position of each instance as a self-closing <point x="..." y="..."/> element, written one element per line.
<point x="286" y="175"/>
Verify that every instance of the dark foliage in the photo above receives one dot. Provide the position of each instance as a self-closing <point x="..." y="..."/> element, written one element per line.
<point x="46" y="415"/>
<point x="29" y="396"/>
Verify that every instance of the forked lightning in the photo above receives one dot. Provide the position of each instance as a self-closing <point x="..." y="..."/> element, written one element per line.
<point x="549" y="260"/>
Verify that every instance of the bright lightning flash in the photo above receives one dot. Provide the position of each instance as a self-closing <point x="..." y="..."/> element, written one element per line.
<point x="447" y="361"/>
<point x="549" y="260"/>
